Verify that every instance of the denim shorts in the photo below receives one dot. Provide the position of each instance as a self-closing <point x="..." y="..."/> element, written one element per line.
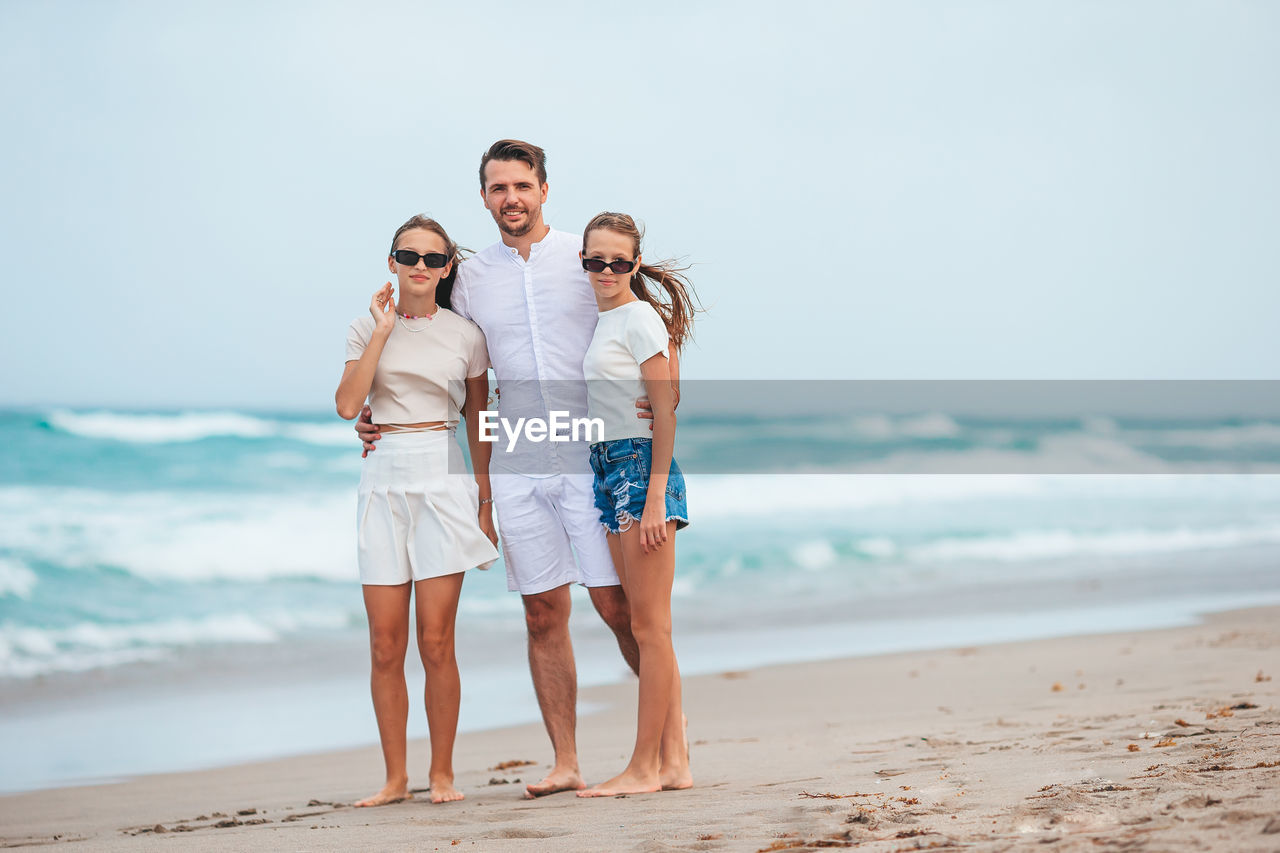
<point x="622" y="468"/>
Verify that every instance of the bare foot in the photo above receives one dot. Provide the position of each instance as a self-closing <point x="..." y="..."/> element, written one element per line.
<point x="393" y="792"/>
<point x="674" y="774"/>
<point x="673" y="779"/>
<point x="442" y="791"/>
<point x="627" y="783"/>
<point x="555" y="782"/>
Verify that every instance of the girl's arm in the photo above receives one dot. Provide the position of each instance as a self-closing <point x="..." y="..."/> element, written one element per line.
<point x="658" y="386"/>
<point x="673" y="360"/>
<point x="645" y="409"/>
<point x="477" y="397"/>
<point x="357" y="378"/>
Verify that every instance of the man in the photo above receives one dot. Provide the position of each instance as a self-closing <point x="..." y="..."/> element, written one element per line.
<point x="530" y="297"/>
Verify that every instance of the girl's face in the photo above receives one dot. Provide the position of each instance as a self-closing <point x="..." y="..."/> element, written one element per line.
<point x="608" y="246"/>
<point x="418" y="279"/>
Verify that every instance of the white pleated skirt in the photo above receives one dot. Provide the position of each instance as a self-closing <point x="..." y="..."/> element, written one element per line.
<point x="416" y="516"/>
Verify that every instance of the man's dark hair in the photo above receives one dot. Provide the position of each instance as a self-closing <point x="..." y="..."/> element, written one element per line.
<point x="514" y="149"/>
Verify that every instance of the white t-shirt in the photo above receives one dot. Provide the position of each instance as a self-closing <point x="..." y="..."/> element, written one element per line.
<point x="537" y="316"/>
<point x="421" y="375"/>
<point x="625" y="337"/>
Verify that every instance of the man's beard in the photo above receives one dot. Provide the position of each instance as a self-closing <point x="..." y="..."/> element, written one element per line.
<point x="516" y="230"/>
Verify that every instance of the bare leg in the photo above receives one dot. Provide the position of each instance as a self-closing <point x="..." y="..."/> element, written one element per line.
<point x="388" y="610"/>
<point x="437" y="608"/>
<point x="647" y="579"/>
<point x="611" y="603"/>
<point x="555" y="681"/>
<point x="673" y="773"/>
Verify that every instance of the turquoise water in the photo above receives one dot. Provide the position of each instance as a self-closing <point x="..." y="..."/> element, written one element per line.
<point x="126" y="536"/>
<point x="156" y="542"/>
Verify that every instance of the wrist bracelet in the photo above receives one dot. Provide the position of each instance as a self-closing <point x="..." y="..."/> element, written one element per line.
<point x="484" y="501"/>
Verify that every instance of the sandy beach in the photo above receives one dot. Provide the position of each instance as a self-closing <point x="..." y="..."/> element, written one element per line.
<point x="1158" y="740"/>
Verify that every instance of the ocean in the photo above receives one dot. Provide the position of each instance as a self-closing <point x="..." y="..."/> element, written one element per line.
<point x="178" y="588"/>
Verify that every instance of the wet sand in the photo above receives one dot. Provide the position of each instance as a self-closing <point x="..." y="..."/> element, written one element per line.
<point x="1159" y="740"/>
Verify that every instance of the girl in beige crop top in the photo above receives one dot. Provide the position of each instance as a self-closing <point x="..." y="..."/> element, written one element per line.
<point x="412" y="360"/>
<point x="419" y="365"/>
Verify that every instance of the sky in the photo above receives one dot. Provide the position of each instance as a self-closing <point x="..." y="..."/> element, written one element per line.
<point x="198" y="198"/>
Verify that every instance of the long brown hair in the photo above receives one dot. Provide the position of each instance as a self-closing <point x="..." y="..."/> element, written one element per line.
<point x="650" y="280"/>
<point x="444" y="289"/>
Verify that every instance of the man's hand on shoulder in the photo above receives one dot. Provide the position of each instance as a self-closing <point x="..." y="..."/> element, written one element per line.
<point x="368" y="431"/>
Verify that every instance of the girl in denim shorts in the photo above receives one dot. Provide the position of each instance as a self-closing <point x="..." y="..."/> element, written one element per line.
<point x="646" y="314"/>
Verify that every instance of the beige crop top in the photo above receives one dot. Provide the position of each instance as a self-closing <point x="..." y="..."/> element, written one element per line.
<point x="420" y="375"/>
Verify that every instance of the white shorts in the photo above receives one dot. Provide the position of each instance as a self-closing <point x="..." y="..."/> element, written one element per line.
<point x="542" y="522"/>
<point x="415" y="519"/>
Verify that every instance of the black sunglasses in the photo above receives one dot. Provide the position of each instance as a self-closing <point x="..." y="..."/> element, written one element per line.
<point x="410" y="258"/>
<point x="598" y="265"/>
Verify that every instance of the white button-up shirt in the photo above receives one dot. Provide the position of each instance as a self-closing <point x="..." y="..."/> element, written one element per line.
<point x="537" y="317"/>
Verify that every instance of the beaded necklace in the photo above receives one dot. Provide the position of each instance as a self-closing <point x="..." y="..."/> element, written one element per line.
<point x="407" y="327"/>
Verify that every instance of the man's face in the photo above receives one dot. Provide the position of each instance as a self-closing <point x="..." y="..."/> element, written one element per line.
<point x="513" y="195"/>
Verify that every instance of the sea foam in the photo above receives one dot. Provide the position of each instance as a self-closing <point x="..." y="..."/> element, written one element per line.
<point x="1033" y="545"/>
<point x="185" y="537"/>
<point x="16" y="579"/>
<point x="196" y="426"/>
<point x="27" y="651"/>
<point x="743" y="495"/>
